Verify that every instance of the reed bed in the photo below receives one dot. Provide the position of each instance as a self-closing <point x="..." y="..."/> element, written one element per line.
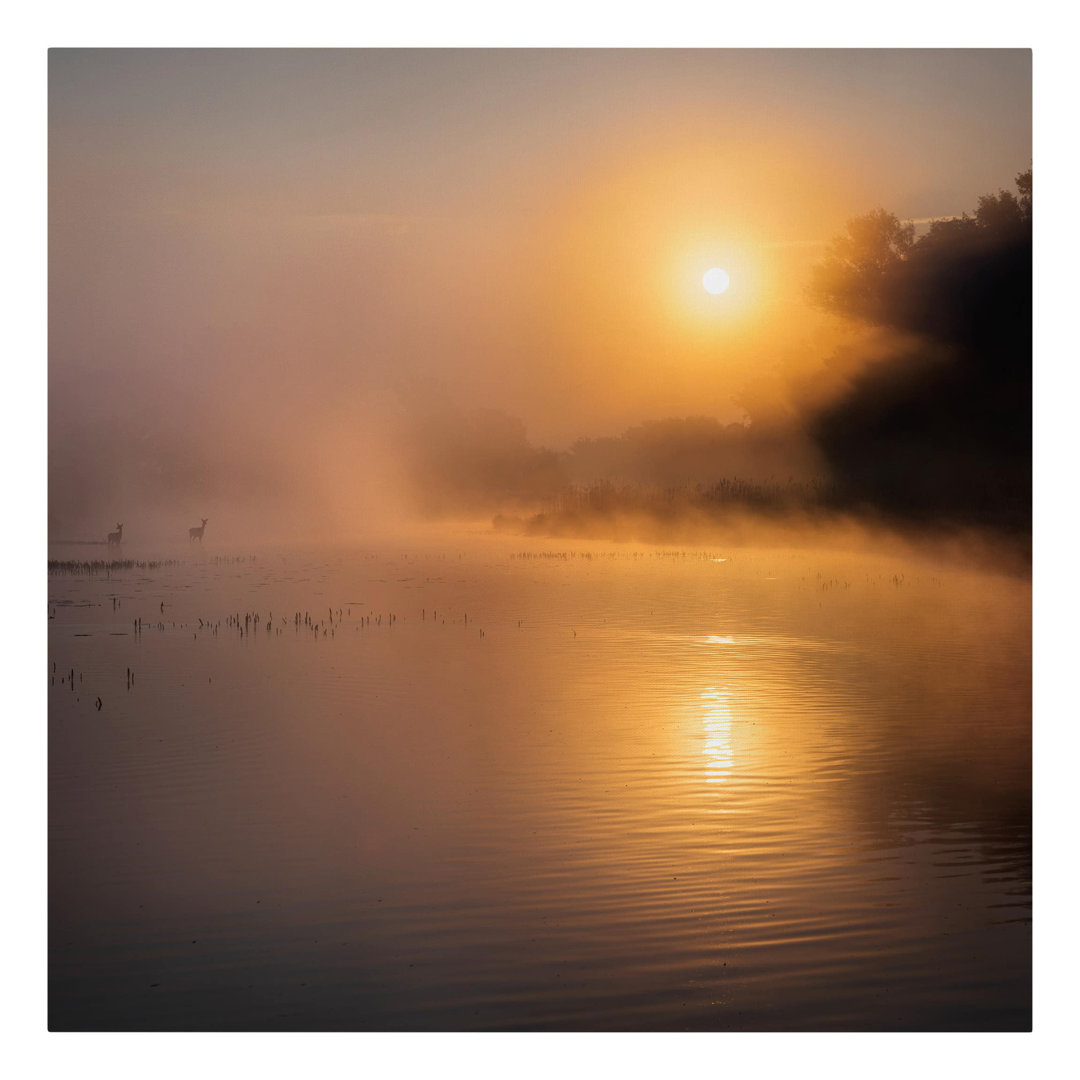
<point x="105" y="566"/>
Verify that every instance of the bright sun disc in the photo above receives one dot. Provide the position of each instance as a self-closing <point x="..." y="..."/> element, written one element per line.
<point x="716" y="280"/>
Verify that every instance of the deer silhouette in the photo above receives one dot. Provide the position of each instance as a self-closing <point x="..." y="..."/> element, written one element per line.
<point x="116" y="537"/>
<point x="196" y="532"/>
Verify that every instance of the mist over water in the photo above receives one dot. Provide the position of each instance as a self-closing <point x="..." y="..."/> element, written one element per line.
<point x="480" y="783"/>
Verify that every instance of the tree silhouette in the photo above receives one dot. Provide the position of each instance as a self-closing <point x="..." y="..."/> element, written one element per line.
<point x="941" y="429"/>
<point x="854" y="278"/>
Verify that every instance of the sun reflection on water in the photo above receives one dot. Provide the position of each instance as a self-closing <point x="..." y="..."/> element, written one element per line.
<point x="717" y="745"/>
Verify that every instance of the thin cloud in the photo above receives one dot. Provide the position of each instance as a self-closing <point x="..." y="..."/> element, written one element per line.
<point x="931" y="220"/>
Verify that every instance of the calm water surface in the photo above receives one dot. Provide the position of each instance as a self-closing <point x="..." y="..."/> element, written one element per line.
<point x="566" y="786"/>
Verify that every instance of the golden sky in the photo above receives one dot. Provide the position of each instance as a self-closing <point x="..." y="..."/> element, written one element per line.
<point x="246" y="240"/>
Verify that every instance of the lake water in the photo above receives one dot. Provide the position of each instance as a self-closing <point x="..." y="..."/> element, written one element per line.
<point x="543" y="785"/>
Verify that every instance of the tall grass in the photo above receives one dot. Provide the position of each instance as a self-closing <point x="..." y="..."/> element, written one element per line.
<point x="105" y="566"/>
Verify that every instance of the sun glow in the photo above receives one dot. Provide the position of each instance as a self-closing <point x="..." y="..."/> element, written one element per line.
<point x="716" y="288"/>
<point x="716" y="281"/>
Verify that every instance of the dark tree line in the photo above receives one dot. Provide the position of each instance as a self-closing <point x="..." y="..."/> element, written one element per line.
<point x="688" y="450"/>
<point x="941" y="430"/>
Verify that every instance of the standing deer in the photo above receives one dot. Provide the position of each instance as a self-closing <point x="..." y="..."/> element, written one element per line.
<point x="116" y="537"/>
<point x="196" y="532"/>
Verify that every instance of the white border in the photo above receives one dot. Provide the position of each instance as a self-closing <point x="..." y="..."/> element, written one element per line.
<point x="28" y="1047"/>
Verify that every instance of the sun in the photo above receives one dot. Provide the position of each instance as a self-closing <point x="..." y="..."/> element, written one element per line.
<point x="716" y="281"/>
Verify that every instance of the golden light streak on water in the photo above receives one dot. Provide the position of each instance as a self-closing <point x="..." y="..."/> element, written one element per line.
<point x="717" y="744"/>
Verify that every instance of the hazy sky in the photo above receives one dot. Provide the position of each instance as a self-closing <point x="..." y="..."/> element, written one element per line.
<point x="257" y="256"/>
